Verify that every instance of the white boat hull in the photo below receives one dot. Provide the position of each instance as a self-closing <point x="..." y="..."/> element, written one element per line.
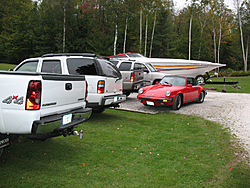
<point x="183" y="67"/>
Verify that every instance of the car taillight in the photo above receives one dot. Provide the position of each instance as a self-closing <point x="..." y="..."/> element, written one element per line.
<point x="86" y="92"/>
<point x="33" y="98"/>
<point x="132" y="77"/>
<point x="100" y="86"/>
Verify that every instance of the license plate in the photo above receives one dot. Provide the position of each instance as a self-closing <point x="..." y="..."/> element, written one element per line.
<point x="115" y="98"/>
<point x="67" y="119"/>
<point x="5" y="142"/>
<point x="150" y="103"/>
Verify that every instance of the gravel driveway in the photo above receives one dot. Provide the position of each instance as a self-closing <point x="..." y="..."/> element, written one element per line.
<point x="230" y="109"/>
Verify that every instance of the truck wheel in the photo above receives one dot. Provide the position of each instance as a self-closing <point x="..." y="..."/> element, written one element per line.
<point x="127" y="93"/>
<point x="98" y="110"/>
<point x="43" y="137"/>
<point x="200" y="79"/>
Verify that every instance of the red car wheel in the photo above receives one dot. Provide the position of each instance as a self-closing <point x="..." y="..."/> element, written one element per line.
<point x="177" y="102"/>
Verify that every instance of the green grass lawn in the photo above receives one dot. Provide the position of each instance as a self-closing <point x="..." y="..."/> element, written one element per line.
<point x="4" y="66"/>
<point x="125" y="149"/>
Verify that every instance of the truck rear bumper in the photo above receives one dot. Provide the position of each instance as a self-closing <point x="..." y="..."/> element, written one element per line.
<point x="60" y="122"/>
<point x="108" y="101"/>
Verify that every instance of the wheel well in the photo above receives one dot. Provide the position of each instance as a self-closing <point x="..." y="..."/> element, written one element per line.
<point x="181" y="96"/>
<point x="155" y="81"/>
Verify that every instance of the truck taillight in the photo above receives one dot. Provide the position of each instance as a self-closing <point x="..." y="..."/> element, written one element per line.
<point x="33" y="98"/>
<point x="132" y="77"/>
<point x="100" y="86"/>
<point x="86" y="92"/>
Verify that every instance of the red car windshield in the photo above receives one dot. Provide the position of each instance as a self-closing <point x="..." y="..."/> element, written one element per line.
<point x="173" y="80"/>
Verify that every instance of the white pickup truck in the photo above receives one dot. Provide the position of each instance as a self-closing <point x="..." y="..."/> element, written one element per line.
<point x="103" y="78"/>
<point x="41" y="105"/>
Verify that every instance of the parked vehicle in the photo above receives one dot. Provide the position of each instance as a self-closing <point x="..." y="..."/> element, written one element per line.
<point x="103" y="78"/>
<point x="150" y="75"/>
<point x="40" y="105"/>
<point x="183" y="67"/>
<point x="132" y="74"/>
<point x="172" y="91"/>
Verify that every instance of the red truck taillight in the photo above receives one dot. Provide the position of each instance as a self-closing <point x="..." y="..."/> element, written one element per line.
<point x="33" y="98"/>
<point x="132" y="77"/>
<point x="86" y="92"/>
<point x="100" y="86"/>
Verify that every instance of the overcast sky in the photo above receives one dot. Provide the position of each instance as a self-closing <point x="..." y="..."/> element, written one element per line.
<point x="181" y="3"/>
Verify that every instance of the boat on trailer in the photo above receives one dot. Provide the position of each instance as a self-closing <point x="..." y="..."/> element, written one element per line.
<point x="184" y="67"/>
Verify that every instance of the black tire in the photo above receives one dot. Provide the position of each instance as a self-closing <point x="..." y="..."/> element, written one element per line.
<point x="1" y="151"/>
<point x="42" y="137"/>
<point x="156" y="82"/>
<point x="200" y="79"/>
<point x="177" y="102"/>
<point x="98" y="110"/>
<point x="201" y="97"/>
<point x="127" y="93"/>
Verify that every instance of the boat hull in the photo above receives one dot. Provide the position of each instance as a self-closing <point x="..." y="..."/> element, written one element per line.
<point x="183" y="67"/>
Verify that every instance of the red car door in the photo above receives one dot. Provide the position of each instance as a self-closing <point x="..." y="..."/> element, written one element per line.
<point x="192" y="90"/>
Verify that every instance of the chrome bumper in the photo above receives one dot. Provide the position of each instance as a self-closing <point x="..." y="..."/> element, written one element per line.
<point x="55" y="123"/>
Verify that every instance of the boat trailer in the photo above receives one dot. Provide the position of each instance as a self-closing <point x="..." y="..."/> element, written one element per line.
<point x="218" y="82"/>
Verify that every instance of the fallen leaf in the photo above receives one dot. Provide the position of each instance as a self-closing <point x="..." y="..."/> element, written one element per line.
<point x="83" y="164"/>
<point x="230" y="168"/>
<point x="113" y="151"/>
<point x="87" y="173"/>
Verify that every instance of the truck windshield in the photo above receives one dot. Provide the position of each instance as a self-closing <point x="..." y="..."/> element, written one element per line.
<point x="151" y="67"/>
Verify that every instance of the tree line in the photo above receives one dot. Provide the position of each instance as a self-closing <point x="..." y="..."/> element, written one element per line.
<point x="202" y="30"/>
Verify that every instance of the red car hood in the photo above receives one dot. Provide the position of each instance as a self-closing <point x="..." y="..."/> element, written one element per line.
<point x="160" y="90"/>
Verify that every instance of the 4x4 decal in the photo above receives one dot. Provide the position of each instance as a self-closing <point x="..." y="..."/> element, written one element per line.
<point x="15" y="99"/>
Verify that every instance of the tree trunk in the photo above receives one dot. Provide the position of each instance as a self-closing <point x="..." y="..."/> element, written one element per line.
<point x="146" y="34"/>
<point x="64" y="27"/>
<point x="218" y="51"/>
<point x="125" y="35"/>
<point x="116" y="33"/>
<point x="190" y="30"/>
<point x="215" y="58"/>
<point x="241" y="34"/>
<point x="152" y="38"/>
<point x="141" y="29"/>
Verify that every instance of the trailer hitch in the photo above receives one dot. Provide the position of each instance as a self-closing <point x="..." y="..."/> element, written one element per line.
<point x="78" y="134"/>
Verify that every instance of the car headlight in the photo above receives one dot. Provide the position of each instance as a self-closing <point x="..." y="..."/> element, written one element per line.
<point x="140" y="91"/>
<point x="168" y="93"/>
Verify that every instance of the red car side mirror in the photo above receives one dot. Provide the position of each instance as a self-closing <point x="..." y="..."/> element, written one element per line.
<point x="189" y="85"/>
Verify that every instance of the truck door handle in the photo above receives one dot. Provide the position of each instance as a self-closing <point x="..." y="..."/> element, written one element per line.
<point x="68" y="86"/>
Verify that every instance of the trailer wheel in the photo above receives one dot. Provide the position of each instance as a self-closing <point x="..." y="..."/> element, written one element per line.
<point x="200" y="79"/>
<point x="156" y="82"/>
<point x="1" y="151"/>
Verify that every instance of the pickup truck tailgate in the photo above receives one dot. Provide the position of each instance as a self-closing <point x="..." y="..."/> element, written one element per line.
<point x="67" y="93"/>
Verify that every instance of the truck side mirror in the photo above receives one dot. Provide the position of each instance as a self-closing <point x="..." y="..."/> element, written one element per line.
<point x="146" y="70"/>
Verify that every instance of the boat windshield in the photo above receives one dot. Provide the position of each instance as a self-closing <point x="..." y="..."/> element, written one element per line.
<point x="151" y="67"/>
<point x="137" y="55"/>
<point x="173" y="80"/>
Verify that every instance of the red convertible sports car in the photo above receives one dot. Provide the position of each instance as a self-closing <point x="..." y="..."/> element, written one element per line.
<point x="172" y="91"/>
